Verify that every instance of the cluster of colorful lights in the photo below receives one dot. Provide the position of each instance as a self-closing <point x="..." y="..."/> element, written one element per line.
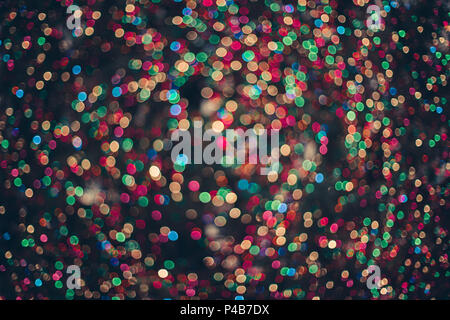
<point x="86" y="176"/>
